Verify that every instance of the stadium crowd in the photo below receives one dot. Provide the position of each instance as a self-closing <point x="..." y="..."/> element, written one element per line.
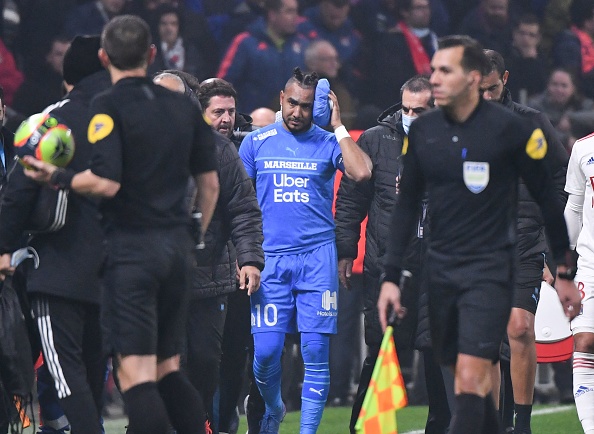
<point x="260" y="267"/>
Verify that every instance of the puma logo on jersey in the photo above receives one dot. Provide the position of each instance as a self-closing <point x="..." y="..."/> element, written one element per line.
<point x="291" y="150"/>
<point x="319" y="392"/>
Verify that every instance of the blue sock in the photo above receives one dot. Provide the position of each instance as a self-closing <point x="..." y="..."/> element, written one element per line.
<point x="268" y="347"/>
<point x="315" y="348"/>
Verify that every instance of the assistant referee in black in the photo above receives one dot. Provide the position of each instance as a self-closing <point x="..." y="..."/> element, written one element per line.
<point x="147" y="142"/>
<point x="468" y="155"/>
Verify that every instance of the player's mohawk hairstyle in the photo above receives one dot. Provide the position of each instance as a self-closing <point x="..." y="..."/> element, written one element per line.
<point x="305" y="80"/>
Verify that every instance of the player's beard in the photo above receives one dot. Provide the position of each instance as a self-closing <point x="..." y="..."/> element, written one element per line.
<point x="301" y="124"/>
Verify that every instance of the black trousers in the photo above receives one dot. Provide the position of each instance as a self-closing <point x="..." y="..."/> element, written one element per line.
<point x="70" y="333"/>
<point x="205" y="325"/>
<point x="237" y="340"/>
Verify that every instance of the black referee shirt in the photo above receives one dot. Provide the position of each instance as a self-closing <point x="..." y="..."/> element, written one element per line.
<point x="150" y="140"/>
<point x="470" y="171"/>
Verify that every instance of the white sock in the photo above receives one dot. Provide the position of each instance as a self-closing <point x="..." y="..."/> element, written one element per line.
<point x="583" y="389"/>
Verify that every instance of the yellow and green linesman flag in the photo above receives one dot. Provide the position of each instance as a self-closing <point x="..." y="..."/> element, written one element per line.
<point x="386" y="392"/>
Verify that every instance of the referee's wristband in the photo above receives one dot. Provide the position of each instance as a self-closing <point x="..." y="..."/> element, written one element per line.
<point x="391" y="275"/>
<point x="341" y="133"/>
<point x="62" y="178"/>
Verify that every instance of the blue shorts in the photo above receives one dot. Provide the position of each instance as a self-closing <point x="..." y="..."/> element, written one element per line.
<point x="298" y="293"/>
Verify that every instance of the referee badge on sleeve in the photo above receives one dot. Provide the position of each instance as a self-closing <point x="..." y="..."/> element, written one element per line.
<point x="100" y="127"/>
<point x="536" y="147"/>
<point x="476" y="175"/>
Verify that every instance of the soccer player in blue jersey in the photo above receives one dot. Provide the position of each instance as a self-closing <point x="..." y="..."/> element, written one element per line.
<point x="293" y="163"/>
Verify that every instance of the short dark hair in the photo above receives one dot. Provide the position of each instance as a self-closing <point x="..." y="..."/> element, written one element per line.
<point x="166" y="9"/>
<point x="303" y="80"/>
<point x="580" y="11"/>
<point x="473" y="57"/>
<point x="416" y="84"/>
<point x="496" y="62"/>
<point x="273" y="5"/>
<point x="126" y="39"/>
<point x="530" y="19"/>
<point x="215" y="87"/>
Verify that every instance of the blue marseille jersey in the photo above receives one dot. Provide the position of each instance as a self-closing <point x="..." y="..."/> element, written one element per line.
<point x="294" y="176"/>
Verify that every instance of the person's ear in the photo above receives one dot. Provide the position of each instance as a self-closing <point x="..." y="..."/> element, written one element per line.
<point x="505" y="76"/>
<point x="103" y="58"/>
<point x="152" y="54"/>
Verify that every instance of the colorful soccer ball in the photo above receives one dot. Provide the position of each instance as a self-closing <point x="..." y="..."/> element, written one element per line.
<point x="44" y="137"/>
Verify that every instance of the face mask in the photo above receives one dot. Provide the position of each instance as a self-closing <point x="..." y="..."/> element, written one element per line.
<point x="406" y="121"/>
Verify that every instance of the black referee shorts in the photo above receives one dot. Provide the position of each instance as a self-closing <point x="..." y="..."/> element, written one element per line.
<point x="528" y="281"/>
<point x="470" y="299"/>
<point x="146" y="291"/>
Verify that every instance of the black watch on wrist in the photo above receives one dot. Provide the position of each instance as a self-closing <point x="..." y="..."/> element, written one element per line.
<point x="568" y="274"/>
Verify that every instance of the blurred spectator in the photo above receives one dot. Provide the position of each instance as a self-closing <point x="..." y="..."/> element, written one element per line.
<point x="573" y="48"/>
<point x="554" y="21"/>
<point x="262" y="116"/>
<point x="330" y="21"/>
<point x="490" y="23"/>
<point x="10" y="77"/>
<point x="322" y="57"/>
<point x="526" y="64"/>
<point x="193" y="28"/>
<point x="259" y="60"/>
<point x="401" y="53"/>
<point x="43" y="81"/>
<point x="89" y="18"/>
<point x="373" y="17"/>
<point x="175" y="51"/>
<point x="40" y="22"/>
<point x="560" y="101"/>
<point x="240" y="17"/>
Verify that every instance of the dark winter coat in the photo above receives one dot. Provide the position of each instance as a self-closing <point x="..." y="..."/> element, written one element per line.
<point x="235" y="231"/>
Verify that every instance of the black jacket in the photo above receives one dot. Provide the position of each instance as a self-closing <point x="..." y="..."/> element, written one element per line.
<point x="7" y="140"/>
<point x="531" y="233"/>
<point x="235" y="231"/>
<point x="71" y="258"/>
<point x="375" y="197"/>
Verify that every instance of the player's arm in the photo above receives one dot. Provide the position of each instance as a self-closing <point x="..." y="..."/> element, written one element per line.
<point x="575" y="185"/>
<point x="402" y="226"/>
<point x="357" y="164"/>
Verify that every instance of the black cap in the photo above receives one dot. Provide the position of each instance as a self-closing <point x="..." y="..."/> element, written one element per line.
<point x="81" y="59"/>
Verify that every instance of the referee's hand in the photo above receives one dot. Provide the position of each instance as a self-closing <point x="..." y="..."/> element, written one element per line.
<point x="389" y="301"/>
<point x="38" y="170"/>
<point x="569" y="297"/>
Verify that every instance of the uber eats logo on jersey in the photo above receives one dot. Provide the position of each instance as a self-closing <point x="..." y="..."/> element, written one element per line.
<point x="291" y="188"/>
<point x="536" y="147"/>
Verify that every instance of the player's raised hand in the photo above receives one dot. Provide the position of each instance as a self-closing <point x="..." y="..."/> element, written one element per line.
<point x="335" y="119"/>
